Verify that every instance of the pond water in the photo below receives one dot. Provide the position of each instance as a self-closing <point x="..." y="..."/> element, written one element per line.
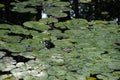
<point x="95" y="10"/>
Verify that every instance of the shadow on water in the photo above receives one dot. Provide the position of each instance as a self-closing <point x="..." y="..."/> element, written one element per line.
<point x="100" y="10"/>
<point x="96" y="10"/>
<point x="10" y="17"/>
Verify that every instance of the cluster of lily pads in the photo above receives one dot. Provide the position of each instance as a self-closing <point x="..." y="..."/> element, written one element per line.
<point x="52" y="7"/>
<point x="51" y="50"/>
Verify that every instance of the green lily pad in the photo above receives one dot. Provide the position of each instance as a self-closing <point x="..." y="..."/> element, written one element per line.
<point x="106" y="76"/>
<point x="42" y="36"/>
<point x="48" y="20"/>
<point x="55" y="33"/>
<point x="2" y="5"/>
<point x="11" y="39"/>
<point x="62" y="43"/>
<point x="61" y="25"/>
<point x="18" y="30"/>
<point x="5" y="26"/>
<point x="36" y="25"/>
<point x="85" y="1"/>
<point x="61" y="4"/>
<point x="24" y="10"/>
<point x="77" y="24"/>
<point x="10" y="78"/>
<point x="55" y="12"/>
<point x="3" y="33"/>
<point x="13" y="47"/>
<point x="32" y="44"/>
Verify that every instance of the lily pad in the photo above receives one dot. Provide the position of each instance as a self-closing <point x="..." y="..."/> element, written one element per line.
<point x="36" y="25"/>
<point x="13" y="47"/>
<point x="11" y="39"/>
<point x="18" y="30"/>
<point x="32" y="44"/>
<point x="61" y="25"/>
<point x="61" y="4"/>
<point x="55" y="12"/>
<point x="3" y="33"/>
<point x="85" y="1"/>
<point x="5" y="26"/>
<point x="62" y="43"/>
<point x="2" y="5"/>
<point x="48" y="20"/>
<point x="77" y="24"/>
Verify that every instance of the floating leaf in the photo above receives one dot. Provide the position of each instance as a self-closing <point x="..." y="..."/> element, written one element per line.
<point x="55" y="12"/>
<point x="85" y="1"/>
<point x="11" y="39"/>
<point x="61" y="25"/>
<point x="36" y="25"/>
<point x="77" y="24"/>
<point x="3" y="33"/>
<point x="91" y="78"/>
<point x="61" y="4"/>
<point x="18" y="30"/>
<point x="2" y="5"/>
<point x="32" y="44"/>
<point x="13" y="47"/>
<point x="5" y="26"/>
<point x="48" y="20"/>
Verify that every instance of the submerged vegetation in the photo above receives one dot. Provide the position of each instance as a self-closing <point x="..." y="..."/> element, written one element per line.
<point x="50" y="49"/>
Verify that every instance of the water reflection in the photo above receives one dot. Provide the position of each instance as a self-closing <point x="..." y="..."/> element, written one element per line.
<point x="100" y="9"/>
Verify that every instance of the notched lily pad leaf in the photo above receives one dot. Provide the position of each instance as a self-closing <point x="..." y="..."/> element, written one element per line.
<point x="33" y="44"/>
<point x="3" y="33"/>
<point x="36" y="25"/>
<point x="62" y="43"/>
<point x="61" y="25"/>
<point x="55" y="33"/>
<point x="48" y="20"/>
<point x="42" y="36"/>
<point x="13" y="47"/>
<point x="5" y="26"/>
<point x="11" y="39"/>
<point x="77" y="24"/>
<point x="55" y="12"/>
<point x="61" y="4"/>
<point x="18" y="30"/>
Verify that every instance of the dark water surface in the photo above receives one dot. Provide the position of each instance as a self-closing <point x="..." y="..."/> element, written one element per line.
<point x="96" y="10"/>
